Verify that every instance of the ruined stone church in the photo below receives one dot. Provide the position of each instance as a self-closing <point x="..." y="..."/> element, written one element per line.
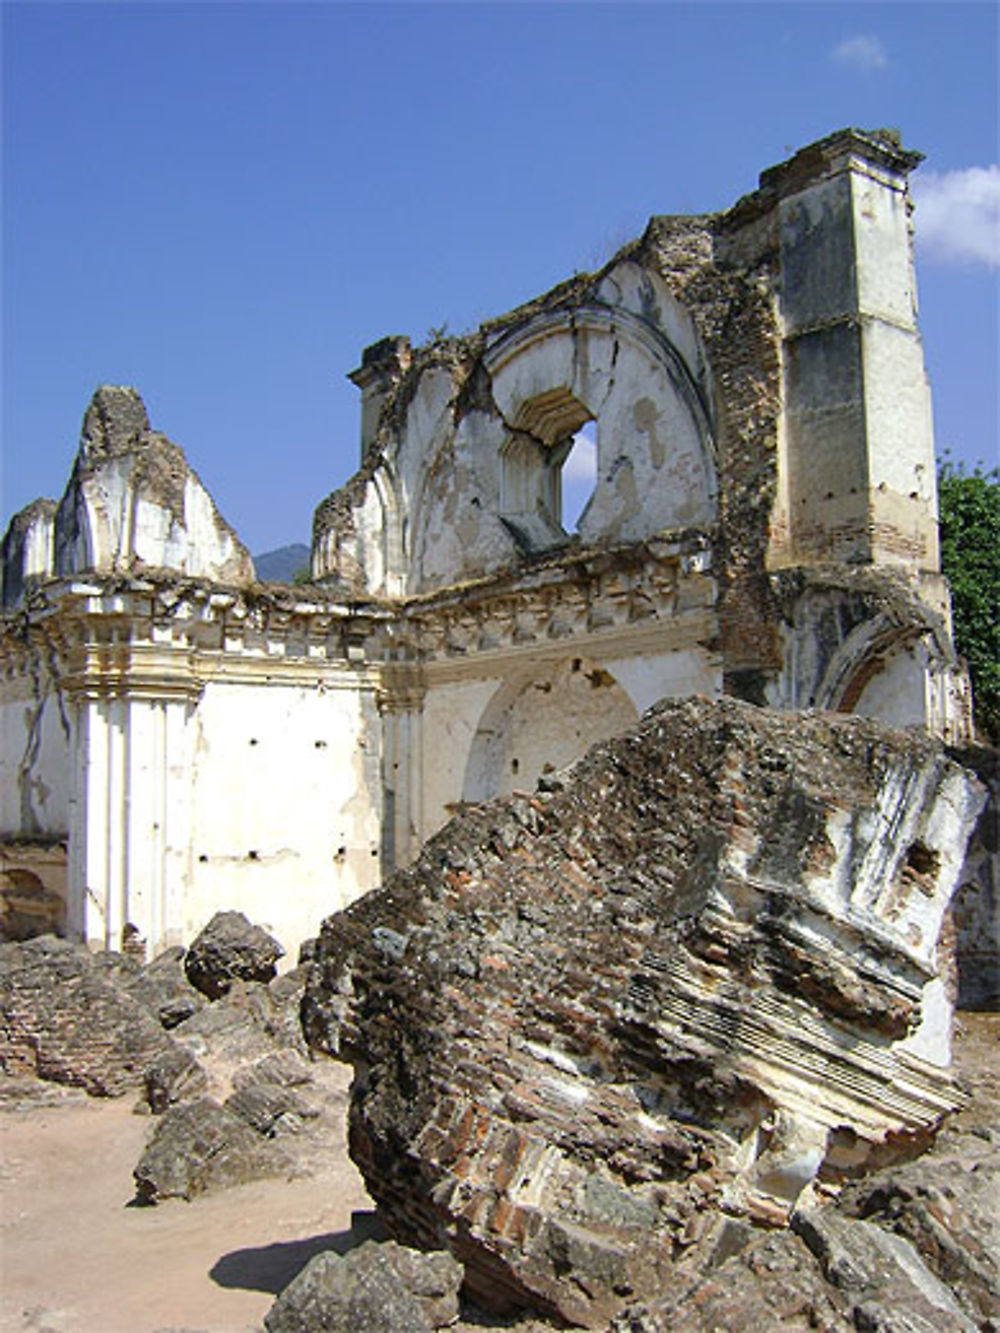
<point x="179" y="737"/>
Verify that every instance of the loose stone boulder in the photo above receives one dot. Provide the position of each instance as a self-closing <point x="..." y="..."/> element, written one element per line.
<point x="381" y="1288"/>
<point x="65" y="1017"/>
<point x="230" y="948"/>
<point x="200" y="1146"/>
<point x="699" y="972"/>
<point x="162" y="987"/>
<point x="174" y="1076"/>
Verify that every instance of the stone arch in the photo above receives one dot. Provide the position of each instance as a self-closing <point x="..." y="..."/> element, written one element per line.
<point x="540" y="721"/>
<point x="483" y="454"/>
<point x="851" y="651"/>
<point x="656" y="466"/>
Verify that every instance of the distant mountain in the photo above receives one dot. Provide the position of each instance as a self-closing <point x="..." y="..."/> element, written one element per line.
<point x="281" y="565"/>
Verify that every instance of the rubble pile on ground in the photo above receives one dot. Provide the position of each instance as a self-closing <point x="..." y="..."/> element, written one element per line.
<point x="661" y="1046"/>
<point x="67" y="1017"/>
<point x="606" y="1033"/>
<point x="227" y="1078"/>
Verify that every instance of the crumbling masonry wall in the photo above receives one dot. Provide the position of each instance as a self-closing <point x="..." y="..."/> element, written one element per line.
<point x="762" y="524"/>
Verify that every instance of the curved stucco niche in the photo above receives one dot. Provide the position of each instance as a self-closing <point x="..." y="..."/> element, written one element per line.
<point x="484" y="474"/>
<point x="655" y="455"/>
<point x="538" y="723"/>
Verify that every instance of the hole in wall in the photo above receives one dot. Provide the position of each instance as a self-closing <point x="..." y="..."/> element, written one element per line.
<point x="921" y="859"/>
<point x="252" y="856"/>
<point x="578" y="475"/>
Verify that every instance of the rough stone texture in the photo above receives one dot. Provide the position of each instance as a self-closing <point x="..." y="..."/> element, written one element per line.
<point x="285" y="1068"/>
<point x="888" y="1286"/>
<point x="250" y="1022"/>
<point x="271" y="1109"/>
<point x="200" y="1146"/>
<point x="381" y="1288"/>
<point x="64" y="1018"/>
<point x="947" y="1205"/>
<point x="977" y="902"/>
<point x="743" y="1281"/>
<point x="230" y="948"/>
<point x="162" y="987"/>
<point x="174" y="1076"/>
<point x="835" y="1274"/>
<point x="700" y="970"/>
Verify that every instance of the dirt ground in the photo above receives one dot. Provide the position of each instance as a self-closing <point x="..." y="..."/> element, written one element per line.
<point x="75" y="1258"/>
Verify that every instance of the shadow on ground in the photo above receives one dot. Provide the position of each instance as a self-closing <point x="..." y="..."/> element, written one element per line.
<point x="271" y="1267"/>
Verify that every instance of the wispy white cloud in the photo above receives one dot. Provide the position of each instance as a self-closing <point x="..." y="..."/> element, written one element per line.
<point x="864" y="52"/>
<point x="958" y="215"/>
<point x="581" y="465"/>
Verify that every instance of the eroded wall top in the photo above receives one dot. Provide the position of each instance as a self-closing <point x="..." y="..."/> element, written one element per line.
<point x="132" y="503"/>
<point x="755" y="375"/>
<point x="465" y="441"/>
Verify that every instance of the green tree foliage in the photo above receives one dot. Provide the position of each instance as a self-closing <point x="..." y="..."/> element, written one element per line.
<point x="969" y="506"/>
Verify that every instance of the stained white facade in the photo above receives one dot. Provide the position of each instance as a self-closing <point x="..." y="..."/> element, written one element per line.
<point x="762" y="523"/>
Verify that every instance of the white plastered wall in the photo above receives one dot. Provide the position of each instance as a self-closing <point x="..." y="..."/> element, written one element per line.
<point x="34" y="750"/>
<point x="285" y="805"/>
<point x="256" y="796"/>
<point x="543" y="715"/>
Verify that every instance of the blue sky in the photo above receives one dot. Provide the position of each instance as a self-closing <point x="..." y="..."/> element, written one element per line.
<point x="222" y="204"/>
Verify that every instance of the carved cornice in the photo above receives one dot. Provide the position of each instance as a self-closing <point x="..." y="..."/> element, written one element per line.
<point x="603" y="595"/>
<point x="169" y="638"/>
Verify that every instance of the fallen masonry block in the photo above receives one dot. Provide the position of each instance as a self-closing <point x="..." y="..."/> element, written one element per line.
<point x="199" y="1146"/>
<point x="65" y="1018"/>
<point x="228" y="949"/>
<point x="381" y="1288"/>
<point x="699" y="972"/>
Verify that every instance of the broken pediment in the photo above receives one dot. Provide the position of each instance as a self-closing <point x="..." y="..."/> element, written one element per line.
<point x="132" y="503"/>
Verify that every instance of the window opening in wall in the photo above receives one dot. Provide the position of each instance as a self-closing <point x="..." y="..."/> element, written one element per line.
<point x="579" y="475"/>
<point x="548" y="468"/>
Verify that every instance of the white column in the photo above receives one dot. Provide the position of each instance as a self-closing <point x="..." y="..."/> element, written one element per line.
<point x="76" y="867"/>
<point x="116" y="820"/>
<point x="176" y="819"/>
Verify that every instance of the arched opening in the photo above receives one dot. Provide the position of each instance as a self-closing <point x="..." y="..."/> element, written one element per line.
<point x="548" y="469"/>
<point x="540" y="724"/>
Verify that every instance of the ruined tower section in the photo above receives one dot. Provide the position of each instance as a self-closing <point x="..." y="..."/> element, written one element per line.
<point x="846" y="588"/>
<point x="858" y="447"/>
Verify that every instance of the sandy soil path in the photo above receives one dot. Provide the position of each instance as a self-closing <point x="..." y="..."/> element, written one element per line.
<point x="75" y="1259"/>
